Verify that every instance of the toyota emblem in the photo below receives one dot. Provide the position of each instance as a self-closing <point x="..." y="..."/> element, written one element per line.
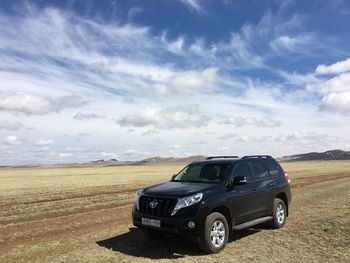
<point x="153" y="204"/>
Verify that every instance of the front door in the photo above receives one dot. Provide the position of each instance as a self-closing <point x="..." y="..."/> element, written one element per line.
<point x="240" y="199"/>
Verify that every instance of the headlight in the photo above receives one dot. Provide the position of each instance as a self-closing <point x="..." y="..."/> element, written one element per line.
<point x="187" y="201"/>
<point x="137" y="198"/>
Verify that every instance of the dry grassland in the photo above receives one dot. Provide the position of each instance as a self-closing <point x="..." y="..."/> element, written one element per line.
<point x="83" y="215"/>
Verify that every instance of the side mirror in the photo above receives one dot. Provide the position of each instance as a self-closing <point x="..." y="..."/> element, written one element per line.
<point x="240" y="180"/>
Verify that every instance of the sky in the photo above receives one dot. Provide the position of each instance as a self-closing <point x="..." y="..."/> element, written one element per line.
<point x="86" y="80"/>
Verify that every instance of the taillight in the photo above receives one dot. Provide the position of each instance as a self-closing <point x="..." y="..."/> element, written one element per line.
<point x="287" y="177"/>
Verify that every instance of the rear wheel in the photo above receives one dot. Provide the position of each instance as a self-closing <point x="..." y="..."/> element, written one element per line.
<point x="215" y="235"/>
<point x="279" y="213"/>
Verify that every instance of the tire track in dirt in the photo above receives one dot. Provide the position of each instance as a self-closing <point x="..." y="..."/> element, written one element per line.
<point x="58" y="214"/>
<point x="304" y="181"/>
<point x="49" y="208"/>
<point x="62" y="198"/>
<point x="23" y="212"/>
<point x="122" y="219"/>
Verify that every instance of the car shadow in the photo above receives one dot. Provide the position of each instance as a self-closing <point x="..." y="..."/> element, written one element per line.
<point x="136" y="243"/>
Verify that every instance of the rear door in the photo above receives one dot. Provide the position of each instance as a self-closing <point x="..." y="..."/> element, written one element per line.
<point x="261" y="188"/>
<point x="275" y="171"/>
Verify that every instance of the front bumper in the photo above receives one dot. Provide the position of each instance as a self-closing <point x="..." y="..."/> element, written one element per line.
<point x="176" y="224"/>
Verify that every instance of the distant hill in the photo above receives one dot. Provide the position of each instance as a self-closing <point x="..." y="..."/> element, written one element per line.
<point x="316" y="156"/>
<point x="172" y="160"/>
<point x="150" y="160"/>
<point x="311" y="156"/>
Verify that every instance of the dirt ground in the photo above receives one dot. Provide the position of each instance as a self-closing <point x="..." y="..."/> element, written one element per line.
<point x="84" y="215"/>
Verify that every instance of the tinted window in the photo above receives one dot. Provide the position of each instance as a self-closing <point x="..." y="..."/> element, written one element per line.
<point x="203" y="172"/>
<point x="259" y="170"/>
<point x="242" y="169"/>
<point x="273" y="168"/>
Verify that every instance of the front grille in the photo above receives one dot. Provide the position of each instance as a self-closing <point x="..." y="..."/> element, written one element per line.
<point x="164" y="207"/>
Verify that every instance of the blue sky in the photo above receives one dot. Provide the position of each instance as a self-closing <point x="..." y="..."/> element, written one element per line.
<point x="84" y="80"/>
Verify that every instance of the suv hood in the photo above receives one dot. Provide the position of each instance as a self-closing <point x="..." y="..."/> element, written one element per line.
<point x="177" y="189"/>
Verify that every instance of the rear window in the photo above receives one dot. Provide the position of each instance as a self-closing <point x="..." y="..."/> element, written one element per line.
<point x="259" y="170"/>
<point x="273" y="168"/>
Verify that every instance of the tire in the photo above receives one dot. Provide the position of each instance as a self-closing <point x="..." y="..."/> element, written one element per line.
<point x="215" y="235"/>
<point x="153" y="234"/>
<point x="279" y="213"/>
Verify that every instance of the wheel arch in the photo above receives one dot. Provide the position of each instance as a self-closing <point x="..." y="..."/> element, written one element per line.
<point x="226" y="212"/>
<point x="283" y="197"/>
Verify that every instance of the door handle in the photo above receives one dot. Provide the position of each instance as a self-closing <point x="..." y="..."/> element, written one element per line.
<point x="253" y="189"/>
<point x="272" y="184"/>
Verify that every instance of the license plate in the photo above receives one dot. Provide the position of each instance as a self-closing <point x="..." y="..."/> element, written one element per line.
<point x="150" y="222"/>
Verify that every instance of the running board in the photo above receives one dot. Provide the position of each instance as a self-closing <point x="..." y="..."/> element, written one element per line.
<point x="253" y="222"/>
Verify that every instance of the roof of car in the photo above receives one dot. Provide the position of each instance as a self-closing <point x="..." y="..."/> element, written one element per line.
<point x="231" y="159"/>
<point x="218" y="160"/>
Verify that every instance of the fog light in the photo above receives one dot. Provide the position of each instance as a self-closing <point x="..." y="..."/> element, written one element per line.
<point x="191" y="224"/>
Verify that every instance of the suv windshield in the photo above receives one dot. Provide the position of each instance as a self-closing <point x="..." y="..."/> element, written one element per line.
<point x="203" y="173"/>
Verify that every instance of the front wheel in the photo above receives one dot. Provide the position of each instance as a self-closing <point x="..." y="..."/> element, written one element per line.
<point x="279" y="213"/>
<point x="215" y="235"/>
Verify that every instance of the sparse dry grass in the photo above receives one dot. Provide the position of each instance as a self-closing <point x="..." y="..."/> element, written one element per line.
<point x="83" y="215"/>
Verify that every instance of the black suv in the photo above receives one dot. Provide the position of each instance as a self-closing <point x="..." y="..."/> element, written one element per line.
<point x="209" y="199"/>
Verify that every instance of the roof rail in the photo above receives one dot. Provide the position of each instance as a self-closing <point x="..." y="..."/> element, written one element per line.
<point x="219" y="157"/>
<point x="257" y="156"/>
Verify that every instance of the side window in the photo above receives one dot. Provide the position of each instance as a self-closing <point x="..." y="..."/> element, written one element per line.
<point x="273" y="168"/>
<point x="242" y="169"/>
<point x="259" y="170"/>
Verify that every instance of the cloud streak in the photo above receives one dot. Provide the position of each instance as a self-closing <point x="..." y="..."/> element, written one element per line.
<point x="38" y="105"/>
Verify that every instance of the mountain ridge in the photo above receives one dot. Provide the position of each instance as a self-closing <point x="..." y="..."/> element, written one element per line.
<point x="310" y="156"/>
<point x="318" y="156"/>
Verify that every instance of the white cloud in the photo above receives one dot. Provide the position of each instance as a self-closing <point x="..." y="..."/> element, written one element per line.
<point x="134" y="154"/>
<point x="12" y="140"/>
<point x="131" y="152"/>
<point x="337" y="101"/>
<point x="110" y="155"/>
<point x="32" y="104"/>
<point x="243" y="138"/>
<point x="25" y="103"/>
<point x="165" y="118"/>
<point x="294" y="138"/>
<point x="65" y="155"/>
<point x="223" y="148"/>
<point x="43" y="142"/>
<point x="297" y="44"/>
<point x="150" y="132"/>
<point x="194" y="5"/>
<point x="335" y="91"/>
<point x="336" y="68"/>
<point x="190" y="82"/>
<point x="10" y="126"/>
<point x="253" y="121"/>
<point x="87" y="116"/>
<point x="176" y="46"/>
<point x="307" y="138"/>
<point x="227" y="136"/>
<point x="298" y="79"/>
